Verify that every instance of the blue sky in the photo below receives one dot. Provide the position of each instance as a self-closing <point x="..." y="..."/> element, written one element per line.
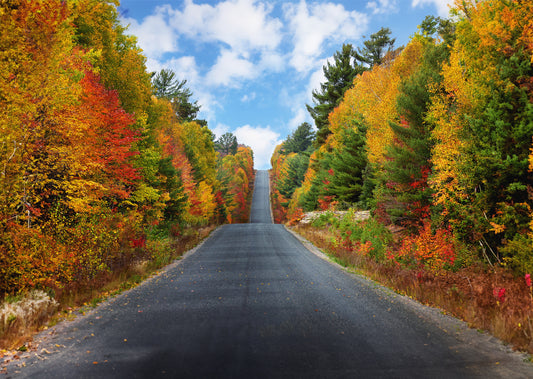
<point x="252" y="64"/>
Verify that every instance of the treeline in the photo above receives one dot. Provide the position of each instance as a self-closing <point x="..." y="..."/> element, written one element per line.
<point x="435" y="138"/>
<point x="101" y="161"/>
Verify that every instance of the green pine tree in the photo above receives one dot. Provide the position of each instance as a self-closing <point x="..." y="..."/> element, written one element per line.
<point x="170" y="182"/>
<point x="339" y="78"/>
<point x="300" y="140"/>
<point x="296" y="167"/>
<point x="166" y="85"/>
<point x="347" y="165"/>
<point x="404" y="180"/>
<point x="376" y="47"/>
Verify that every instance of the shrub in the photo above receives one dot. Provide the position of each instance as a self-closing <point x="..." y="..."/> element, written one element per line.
<point x="435" y="251"/>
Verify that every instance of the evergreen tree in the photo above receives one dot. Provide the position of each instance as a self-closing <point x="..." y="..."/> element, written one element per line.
<point x="167" y="86"/>
<point x="300" y="140"/>
<point x="499" y="152"/>
<point x="297" y="165"/>
<point x="376" y="48"/>
<point x="347" y="165"/>
<point x="171" y="183"/>
<point x="339" y="77"/>
<point x="405" y="189"/>
<point x="309" y="201"/>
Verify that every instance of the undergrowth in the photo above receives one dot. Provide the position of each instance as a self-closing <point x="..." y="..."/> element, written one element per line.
<point x="23" y="314"/>
<point x="485" y="297"/>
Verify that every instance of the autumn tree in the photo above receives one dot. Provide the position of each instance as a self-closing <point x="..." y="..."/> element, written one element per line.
<point x="120" y="61"/>
<point x="235" y="174"/>
<point x="227" y="144"/>
<point x="40" y="73"/>
<point x="483" y="125"/>
<point x="405" y="189"/>
<point x="294" y="168"/>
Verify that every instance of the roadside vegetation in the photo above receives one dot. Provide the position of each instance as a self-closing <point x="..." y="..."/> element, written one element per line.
<point x="434" y="140"/>
<point x="106" y="172"/>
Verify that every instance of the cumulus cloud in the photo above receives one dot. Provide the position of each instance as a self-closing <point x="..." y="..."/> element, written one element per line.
<point x="154" y="34"/>
<point x="441" y="5"/>
<point x="262" y="140"/>
<point x="300" y="115"/>
<point x="241" y="24"/>
<point x="230" y="68"/>
<point x="313" y="25"/>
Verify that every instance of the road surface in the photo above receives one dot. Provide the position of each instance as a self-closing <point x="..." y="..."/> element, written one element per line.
<point x="253" y="302"/>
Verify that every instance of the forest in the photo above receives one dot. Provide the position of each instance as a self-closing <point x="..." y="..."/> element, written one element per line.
<point x="435" y="140"/>
<point x="103" y="165"/>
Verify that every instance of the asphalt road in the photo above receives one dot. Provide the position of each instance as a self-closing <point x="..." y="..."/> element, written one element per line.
<point x="253" y="302"/>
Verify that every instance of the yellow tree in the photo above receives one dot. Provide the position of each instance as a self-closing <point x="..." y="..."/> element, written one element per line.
<point x="39" y="81"/>
<point x="119" y="60"/>
<point x="483" y="124"/>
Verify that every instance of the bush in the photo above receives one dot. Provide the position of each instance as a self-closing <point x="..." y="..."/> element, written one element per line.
<point x="435" y="251"/>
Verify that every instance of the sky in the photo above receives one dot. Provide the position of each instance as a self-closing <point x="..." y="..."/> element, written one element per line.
<point x="252" y="64"/>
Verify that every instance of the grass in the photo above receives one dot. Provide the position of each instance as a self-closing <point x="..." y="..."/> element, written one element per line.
<point x="23" y="315"/>
<point x="468" y="294"/>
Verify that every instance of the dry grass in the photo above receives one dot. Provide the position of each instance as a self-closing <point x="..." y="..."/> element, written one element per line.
<point x="467" y="294"/>
<point x="20" y="316"/>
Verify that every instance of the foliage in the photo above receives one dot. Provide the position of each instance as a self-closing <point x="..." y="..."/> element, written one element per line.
<point x="405" y="192"/>
<point x="368" y="238"/>
<point x="434" y="251"/>
<point x="226" y="144"/>
<point x="447" y="139"/>
<point x="376" y="48"/>
<point x="95" y="171"/>
<point x="346" y="165"/>
<point x="483" y="125"/>
<point x="167" y="86"/>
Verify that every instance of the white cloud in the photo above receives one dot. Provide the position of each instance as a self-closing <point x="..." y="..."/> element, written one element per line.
<point x="241" y="24"/>
<point x="300" y="115"/>
<point x="272" y="61"/>
<point x="185" y="68"/>
<point x="442" y="5"/>
<point x="229" y="69"/>
<point x="154" y="34"/>
<point x="262" y="140"/>
<point x="220" y="129"/>
<point x="314" y="25"/>
<point x="249" y="36"/>
<point x="383" y="6"/>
